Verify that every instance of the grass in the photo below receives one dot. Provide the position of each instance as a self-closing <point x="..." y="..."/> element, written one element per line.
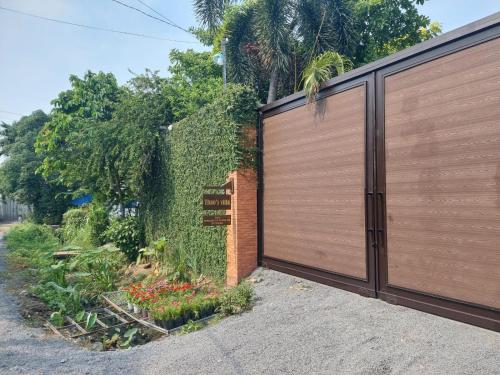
<point x="31" y="237"/>
<point x="66" y="286"/>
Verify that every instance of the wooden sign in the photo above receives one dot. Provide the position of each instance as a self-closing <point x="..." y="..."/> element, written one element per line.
<point x="227" y="186"/>
<point x="215" y="220"/>
<point x="216" y="202"/>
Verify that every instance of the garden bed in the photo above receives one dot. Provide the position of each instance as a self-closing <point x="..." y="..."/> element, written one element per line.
<point x="79" y="300"/>
<point x="111" y="330"/>
<point x="118" y="301"/>
<point x="166" y="305"/>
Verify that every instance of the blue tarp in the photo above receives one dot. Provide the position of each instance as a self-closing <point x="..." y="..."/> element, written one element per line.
<point x="82" y="200"/>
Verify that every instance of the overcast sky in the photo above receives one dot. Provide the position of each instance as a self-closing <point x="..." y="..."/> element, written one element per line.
<point x="37" y="56"/>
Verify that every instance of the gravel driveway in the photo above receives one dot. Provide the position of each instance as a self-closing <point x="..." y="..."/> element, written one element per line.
<point x="296" y="327"/>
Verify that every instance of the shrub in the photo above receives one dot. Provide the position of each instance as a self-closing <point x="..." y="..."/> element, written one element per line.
<point x="236" y="300"/>
<point x="98" y="221"/>
<point x="97" y="270"/>
<point x="126" y="234"/>
<point x="176" y="262"/>
<point x="65" y="299"/>
<point x="74" y="221"/>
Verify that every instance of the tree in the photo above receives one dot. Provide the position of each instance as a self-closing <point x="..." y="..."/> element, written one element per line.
<point x="271" y="42"/>
<point x="68" y="140"/>
<point x="259" y="37"/>
<point x="18" y="177"/>
<point x="388" y="26"/>
<point x="194" y="82"/>
<point x="106" y="140"/>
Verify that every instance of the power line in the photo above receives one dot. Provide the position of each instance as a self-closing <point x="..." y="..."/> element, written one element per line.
<point x="162" y="16"/>
<point x="96" y="27"/>
<point x="149" y="15"/>
<point x="12" y="113"/>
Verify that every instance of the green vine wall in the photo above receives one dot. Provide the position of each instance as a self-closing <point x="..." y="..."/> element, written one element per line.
<point x="200" y="150"/>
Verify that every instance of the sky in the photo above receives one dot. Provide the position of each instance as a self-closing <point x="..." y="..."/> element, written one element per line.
<point x="37" y="56"/>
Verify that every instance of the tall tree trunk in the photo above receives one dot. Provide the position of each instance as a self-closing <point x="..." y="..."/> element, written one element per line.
<point x="273" y="85"/>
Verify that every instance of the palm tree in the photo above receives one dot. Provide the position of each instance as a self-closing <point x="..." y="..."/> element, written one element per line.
<point x="272" y="33"/>
<point x="268" y="37"/>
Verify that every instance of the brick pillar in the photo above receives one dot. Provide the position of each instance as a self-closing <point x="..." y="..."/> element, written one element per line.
<point x="241" y="243"/>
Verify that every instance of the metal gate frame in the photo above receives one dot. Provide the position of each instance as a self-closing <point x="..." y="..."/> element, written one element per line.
<point x="366" y="286"/>
<point x="372" y="76"/>
<point x="467" y="312"/>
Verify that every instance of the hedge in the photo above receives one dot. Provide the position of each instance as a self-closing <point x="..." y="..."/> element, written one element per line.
<point x="201" y="150"/>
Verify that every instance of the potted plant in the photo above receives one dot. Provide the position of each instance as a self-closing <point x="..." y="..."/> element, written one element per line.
<point x="137" y="309"/>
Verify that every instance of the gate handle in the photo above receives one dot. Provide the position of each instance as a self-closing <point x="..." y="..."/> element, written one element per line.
<point x="380" y="211"/>
<point x="380" y="238"/>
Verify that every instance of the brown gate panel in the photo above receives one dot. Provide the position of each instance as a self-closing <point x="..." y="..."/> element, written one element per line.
<point x="314" y="173"/>
<point x="442" y="153"/>
<point x="390" y="184"/>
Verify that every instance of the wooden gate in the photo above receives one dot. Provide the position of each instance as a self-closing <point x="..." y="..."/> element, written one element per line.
<point x="389" y="184"/>
<point x="316" y="170"/>
<point x="439" y="123"/>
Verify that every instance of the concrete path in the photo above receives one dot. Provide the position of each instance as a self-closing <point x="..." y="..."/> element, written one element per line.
<point x="296" y="327"/>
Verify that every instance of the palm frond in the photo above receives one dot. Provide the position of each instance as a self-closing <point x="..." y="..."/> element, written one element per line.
<point x="272" y="30"/>
<point x="342" y="23"/>
<point x="319" y="71"/>
<point x="314" y="25"/>
<point x="241" y="47"/>
<point x="210" y="12"/>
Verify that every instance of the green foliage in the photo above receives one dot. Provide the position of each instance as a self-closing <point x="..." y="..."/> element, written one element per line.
<point x="320" y="70"/>
<point x="108" y="140"/>
<point x="126" y="233"/>
<point x="118" y="340"/>
<point x="176" y="263"/>
<point x="325" y="26"/>
<point x="90" y="321"/>
<point x="74" y="222"/>
<point x="130" y="145"/>
<point x="32" y="246"/>
<point x="387" y="26"/>
<point x="66" y="299"/>
<point x="272" y="41"/>
<point x="30" y="237"/>
<point x="155" y="252"/>
<point x="79" y="316"/>
<point x="98" y="221"/>
<point x="18" y="178"/>
<point x="85" y="226"/>
<point x="66" y="286"/>
<point x="97" y="270"/>
<point x="210" y="12"/>
<point x="194" y="82"/>
<point x="259" y="42"/>
<point x="203" y="149"/>
<point x="56" y="318"/>
<point x="67" y="142"/>
<point x="129" y="336"/>
<point x="191" y="326"/>
<point x="236" y="299"/>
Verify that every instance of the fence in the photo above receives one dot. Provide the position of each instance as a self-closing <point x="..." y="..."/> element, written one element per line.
<point x="389" y="184"/>
<point x="11" y="210"/>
